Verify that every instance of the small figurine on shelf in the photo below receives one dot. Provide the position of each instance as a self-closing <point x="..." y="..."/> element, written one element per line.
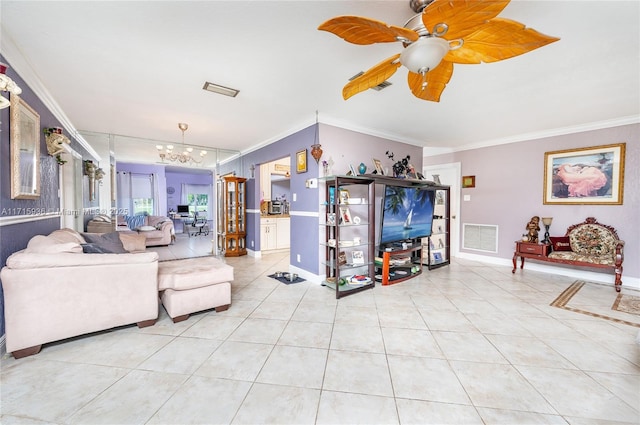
<point x="533" y="227"/>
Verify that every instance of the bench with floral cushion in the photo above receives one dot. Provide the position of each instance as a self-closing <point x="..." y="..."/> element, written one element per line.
<point x="589" y="244"/>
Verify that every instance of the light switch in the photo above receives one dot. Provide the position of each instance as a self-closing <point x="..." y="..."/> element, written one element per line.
<point x="467" y="197"/>
<point x="295" y="197"/>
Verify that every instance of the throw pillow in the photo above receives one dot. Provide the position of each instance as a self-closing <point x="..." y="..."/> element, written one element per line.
<point x="40" y="244"/>
<point x="94" y="248"/>
<point x="133" y="242"/>
<point x="107" y="242"/>
<point x="560" y="243"/>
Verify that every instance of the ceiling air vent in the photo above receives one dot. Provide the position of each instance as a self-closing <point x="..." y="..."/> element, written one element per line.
<point x="382" y="85"/>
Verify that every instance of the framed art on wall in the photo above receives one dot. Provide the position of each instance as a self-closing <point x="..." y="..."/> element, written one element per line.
<point x="301" y="161"/>
<point x="585" y="176"/>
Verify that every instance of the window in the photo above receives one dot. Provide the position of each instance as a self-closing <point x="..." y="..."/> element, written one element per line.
<point x="142" y="193"/>
<point x="198" y="202"/>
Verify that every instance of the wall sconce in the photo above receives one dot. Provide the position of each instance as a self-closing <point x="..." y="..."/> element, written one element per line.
<point x="55" y="140"/>
<point x="252" y="168"/>
<point x="90" y="171"/>
<point x="547" y="223"/>
<point x="7" y="84"/>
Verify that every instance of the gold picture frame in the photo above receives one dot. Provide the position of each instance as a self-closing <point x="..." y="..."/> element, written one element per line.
<point x="585" y="176"/>
<point x="301" y="161"/>
<point x="25" y="150"/>
<point x="378" y="166"/>
<point x="468" y="181"/>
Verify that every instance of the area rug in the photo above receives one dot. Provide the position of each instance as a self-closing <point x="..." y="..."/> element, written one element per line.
<point x="569" y="300"/>
<point x="627" y="304"/>
<point x="286" y="280"/>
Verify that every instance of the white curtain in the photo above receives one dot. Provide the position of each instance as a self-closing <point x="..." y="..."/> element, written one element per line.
<point x="134" y="185"/>
<point x="124" y="192"/>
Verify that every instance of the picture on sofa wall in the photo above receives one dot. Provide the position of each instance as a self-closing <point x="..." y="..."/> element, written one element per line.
<point x="585" y="176"/>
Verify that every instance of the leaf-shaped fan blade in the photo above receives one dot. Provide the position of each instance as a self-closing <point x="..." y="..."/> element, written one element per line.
<point x="359" y="30"/>
<point x="497" y="40"/>
<point x="436" y="80"/>
<point x="372" y="77"/>
<point x="461" y="16"/>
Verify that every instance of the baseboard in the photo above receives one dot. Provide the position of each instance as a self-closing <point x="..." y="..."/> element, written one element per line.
<point x="591" y="276"/>
<point x="305" y="274"/>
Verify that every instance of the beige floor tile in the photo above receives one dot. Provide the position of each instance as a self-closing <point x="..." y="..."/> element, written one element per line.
<point x="360" y="338"/>
<point x="182" y="355"/>
<point x="574" y="393"/>
<point x="236" y="360"/>
<point x="277" y="404"/>
<point x="52" y="391"/>
<point x="294" y="366"/>
<point x="499" y="386"/>
<point x="453" y="321"/>
<point x="509" y="417"/>
<point x="591" y="356"/>
<point x="203" y="400"/>
<point x="410" y="342"/>
<point x="420" y="412"/>
<point x="362" y="373"/>
<point x="528" y="351"/>
<point x="346" y="408"/>
<point x="308" y="311"/>
<point x="129" y="400"/>
<point x="263" y="331"/>
<point x="307" y="334"/>
<point x="274" y="310"/>
<point x="400" y="317"/>
<point x="422" y="378"/>
<point x="214" y="327"/>
<point x="468" y="346"/>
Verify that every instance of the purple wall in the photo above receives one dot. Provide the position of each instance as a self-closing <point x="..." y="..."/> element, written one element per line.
<point x="16" y="236"/>
<point x="509" y="189"/>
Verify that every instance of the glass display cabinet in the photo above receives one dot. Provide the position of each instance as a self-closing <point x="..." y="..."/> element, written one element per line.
<point x="232" y="217"/>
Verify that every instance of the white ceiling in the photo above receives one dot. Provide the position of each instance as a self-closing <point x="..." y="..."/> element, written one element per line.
<point x="137" y="69"/>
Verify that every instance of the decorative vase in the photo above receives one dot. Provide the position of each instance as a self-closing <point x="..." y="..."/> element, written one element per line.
<point x="316" y="151"/>
<point x="362" y="168"/>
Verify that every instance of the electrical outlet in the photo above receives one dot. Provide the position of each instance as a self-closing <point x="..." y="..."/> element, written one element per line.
<point x="251" y="244"/>
<point x="298" y="258"/>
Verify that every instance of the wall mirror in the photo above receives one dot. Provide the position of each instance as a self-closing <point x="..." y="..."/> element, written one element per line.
<point x="25" y="150"/>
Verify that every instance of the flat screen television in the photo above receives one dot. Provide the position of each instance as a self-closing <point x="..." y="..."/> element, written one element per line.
<point x="183" y="209"/>
<point x="407" y="213"/>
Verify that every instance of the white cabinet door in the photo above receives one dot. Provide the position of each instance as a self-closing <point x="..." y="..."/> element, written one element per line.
<point x="268" y="236"/>
<point x="265" y="182"/>
<point x="283" y="232"/>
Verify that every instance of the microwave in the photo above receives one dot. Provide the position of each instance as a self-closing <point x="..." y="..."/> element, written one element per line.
<point x="275" y="207"/>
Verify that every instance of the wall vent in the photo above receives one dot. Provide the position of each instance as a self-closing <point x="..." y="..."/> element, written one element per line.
<point x="480" y="237"/>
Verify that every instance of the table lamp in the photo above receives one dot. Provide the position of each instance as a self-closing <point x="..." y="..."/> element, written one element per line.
<point x="547" y="223"/>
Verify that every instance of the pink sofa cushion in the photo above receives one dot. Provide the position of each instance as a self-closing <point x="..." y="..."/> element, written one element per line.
<point x="193" y="273"/>
<point x="40" y="244"/>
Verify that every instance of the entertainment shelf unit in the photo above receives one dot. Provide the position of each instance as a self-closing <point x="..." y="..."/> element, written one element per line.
<point x="347" y="218"/>
<point x="437" y="249"/>
<point x="399" y="262"/>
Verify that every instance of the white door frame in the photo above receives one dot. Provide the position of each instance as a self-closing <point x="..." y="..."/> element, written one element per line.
<point x="450" y="175"/>
<point x="71" y="207"/>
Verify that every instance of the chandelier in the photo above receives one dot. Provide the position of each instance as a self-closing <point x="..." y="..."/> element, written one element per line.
<point x="184" y="157"/>
<point x="7" y="84"/>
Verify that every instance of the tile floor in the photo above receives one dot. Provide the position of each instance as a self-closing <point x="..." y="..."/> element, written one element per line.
<point x="466" y="344"/>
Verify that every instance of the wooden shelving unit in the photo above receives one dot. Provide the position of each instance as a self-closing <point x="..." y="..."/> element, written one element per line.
<point x="232" y="217"/>
<point x="399" y="264"/>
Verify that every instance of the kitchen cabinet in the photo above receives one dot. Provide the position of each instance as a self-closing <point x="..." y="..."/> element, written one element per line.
<point x="275" y="233"/>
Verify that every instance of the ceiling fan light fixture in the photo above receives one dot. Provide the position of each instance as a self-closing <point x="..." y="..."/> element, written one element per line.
<point x="215" y="88"/>
<point x="424" y="55"/>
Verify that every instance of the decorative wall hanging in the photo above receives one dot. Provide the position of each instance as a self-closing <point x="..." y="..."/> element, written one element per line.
<point x="585" y="176"/>
<point x="301" y="161"/>
<point x="55" y="141"/>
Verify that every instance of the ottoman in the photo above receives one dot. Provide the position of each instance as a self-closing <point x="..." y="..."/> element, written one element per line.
<point x="194" y="284"/>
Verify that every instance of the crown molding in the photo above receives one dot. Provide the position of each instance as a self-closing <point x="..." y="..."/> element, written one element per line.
<point x="20" y="64"/>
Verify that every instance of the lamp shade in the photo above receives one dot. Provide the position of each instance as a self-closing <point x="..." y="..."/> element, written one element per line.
<point x="424" y="55"/>
<point x="547" y="221"/>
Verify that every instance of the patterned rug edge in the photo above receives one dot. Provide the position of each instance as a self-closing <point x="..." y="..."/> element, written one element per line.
<point x="567" y="294"/>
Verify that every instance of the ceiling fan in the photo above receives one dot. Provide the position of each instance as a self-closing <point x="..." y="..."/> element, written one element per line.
<point x="442" y="33"/>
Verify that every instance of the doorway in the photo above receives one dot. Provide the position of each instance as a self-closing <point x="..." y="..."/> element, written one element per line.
<point x="450" y="175"/>
<point x="71" y="206"/>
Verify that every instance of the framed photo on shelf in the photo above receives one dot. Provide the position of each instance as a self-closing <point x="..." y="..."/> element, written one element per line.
<point x="357" y="257"/>
<point x="344" y="196"/>
<point x="301" y="161"/>
<point x="352" y="170"/>
<point x="331" y="219"/>
<point x="345" y="216"/>
<point x="378" y="166"/>
<point x="585" y="176"/>
<point x="342" y="258"/>
<point x="437" y="257"/>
